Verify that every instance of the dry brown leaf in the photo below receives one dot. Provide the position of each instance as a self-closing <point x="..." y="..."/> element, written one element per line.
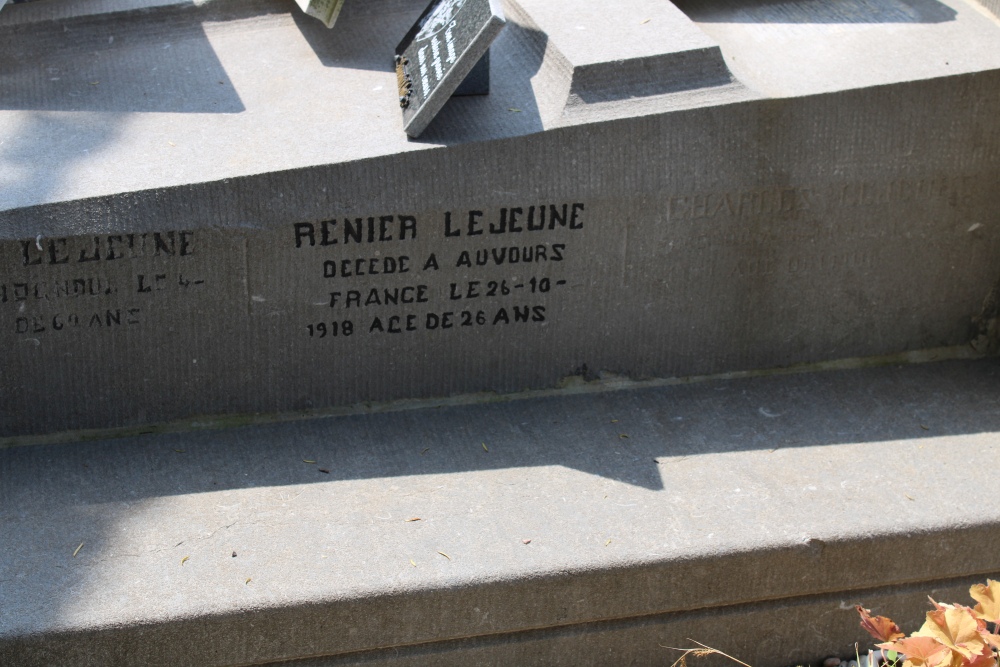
<point x="413" y="518"/>
<point x="879" y="627"/>
<point x="445" y="555"/>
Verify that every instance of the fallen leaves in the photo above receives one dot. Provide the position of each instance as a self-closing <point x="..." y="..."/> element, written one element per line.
<point x="485" y="448"/>
<point x="185" y="559"/>
<point x="77" y="550"/>
<point x="955" y="628"/>
<point x="879" y="627"/>
<point x="445" y="555"/>
<point x="413" y="518"/>
<point x="952" y="635"/>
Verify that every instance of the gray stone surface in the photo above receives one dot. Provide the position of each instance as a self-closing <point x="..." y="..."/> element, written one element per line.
<point x="991" y="5"/>
<point x="748" y="514"/>
<point x="706" y="229"/>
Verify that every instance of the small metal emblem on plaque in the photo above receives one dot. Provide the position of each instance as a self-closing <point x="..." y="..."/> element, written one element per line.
<point x="438" y="53"/>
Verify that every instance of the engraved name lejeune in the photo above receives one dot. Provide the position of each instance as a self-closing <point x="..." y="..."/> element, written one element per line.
<point x="416" y="299"/>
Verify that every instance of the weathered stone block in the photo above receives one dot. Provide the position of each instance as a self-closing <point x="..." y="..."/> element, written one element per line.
<point x="254" y="232"/>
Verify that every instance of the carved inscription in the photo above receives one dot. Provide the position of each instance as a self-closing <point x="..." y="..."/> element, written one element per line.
<point x="66" y="284"/>
<point x="477" y="269"/>
<point x="484" y="268"/>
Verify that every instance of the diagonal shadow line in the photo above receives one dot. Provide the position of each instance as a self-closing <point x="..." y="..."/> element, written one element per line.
<point x="623" y="435"/>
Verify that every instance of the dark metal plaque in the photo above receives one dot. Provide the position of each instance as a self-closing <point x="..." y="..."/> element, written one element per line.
<point x="438" y="53"/>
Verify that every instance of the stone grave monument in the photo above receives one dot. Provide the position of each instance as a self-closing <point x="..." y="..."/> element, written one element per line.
<point x="625" y="202"/>
<point x="212" y="214"/>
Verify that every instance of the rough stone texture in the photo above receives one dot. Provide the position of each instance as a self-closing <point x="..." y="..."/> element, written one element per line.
<point x="991" y="5"/>
<point x="706" y="229"/>
<point x="851" y="213"/>
<point x="749" y="514"/>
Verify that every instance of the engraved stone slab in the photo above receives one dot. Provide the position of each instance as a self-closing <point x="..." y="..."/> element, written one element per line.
<point x="686" y="232"/>
<point x="439" y="52"/>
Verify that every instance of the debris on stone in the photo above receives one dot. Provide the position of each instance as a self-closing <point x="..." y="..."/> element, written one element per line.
<point x="77" y="550"/>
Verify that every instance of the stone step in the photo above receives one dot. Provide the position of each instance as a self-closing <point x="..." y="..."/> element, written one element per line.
<point x="749" y="514"/>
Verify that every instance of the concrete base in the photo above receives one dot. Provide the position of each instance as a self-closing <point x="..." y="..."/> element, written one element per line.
<point x="748" y="514"/>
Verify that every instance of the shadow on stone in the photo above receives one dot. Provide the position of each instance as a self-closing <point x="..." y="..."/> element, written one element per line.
<point x="156" y="66"/>
<point x="816" y="11"/>
<point x="623" y="435"/>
